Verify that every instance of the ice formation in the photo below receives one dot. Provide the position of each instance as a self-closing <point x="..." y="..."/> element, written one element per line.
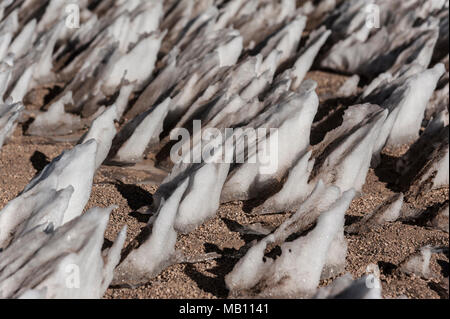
<point x="129" y="74"/>
<point x="440" y="221"/>
<point x="75" y="168"/>
<point x="407" y="106"/>
<point x="425" y="166"/>
<point x="56" y="121"/>
<point x="9" y="116"/>
<point x="419" y="263"/>
<point x="345" y="287"/>
<point x="66" y="262"/>
<point x="396" y="44"/>
<point x="291" y="116"/>
<point x="156" y="251"/>
<point x="129" y="67"/>
<point x="46" y="207"/>
<point x="12" y="108"/>
<point x="294" y="191"/>
<point x="102" y="131"/>
<point x="303" y="64"/>
<point x="140" y="133"/>
<point x="350" y="87"/>
<point x="207" y="181"/>
<point x="389" y="211"/>
<point x="298" y="270"/>
<point x="345" y="154"/>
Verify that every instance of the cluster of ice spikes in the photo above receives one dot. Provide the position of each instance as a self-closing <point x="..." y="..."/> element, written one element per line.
<point x="153" y="66"/>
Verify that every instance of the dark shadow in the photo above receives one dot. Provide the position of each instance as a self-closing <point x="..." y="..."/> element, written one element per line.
<point x="26" y="125"/>
<point x="261" y="193"/>
<point x="214" y="285"/>
<point x="163" y="155"/>
<point x="440" y="290"/>
<point x="351" y="219"/>
<point x="136" y="196"/>
<point x="426" y="216"/>
<point x="106" y="244"/>
<point x="444" y="267"/>
<point x="142" y="218"/>
<point x="39" y="161"/>
<point x="387" y="173"/>
<point x="401" y="172"/>
<point x="251" y="204"/>
<point x="136" y="242"/>
<point x="329" y="116"/>
<point x="274" y="253"/>
<point x="51" y="96"/>
<point x="386" y="268"/>
<point x="236" y="227"/>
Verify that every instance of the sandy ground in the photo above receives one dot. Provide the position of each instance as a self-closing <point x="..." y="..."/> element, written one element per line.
<point x="387" y="245"/>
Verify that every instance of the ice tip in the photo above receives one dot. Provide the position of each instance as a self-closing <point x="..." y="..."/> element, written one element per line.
<point x="439" y="68"/>
<point x="349" y="194"/>
<point x="308" y="86"/>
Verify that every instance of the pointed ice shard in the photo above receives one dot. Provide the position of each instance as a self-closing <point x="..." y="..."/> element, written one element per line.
<point x="102" y="131"/>
<point x="294" y="191"/>
<point x="140" y="133"/>
<point x="23" y="42"/>
<point x="144" y="20"/>
<point x="128" y="66"/>
<point x="76" y="168"/>
<point x="229" y="52"/>
<point x="320" y="200"/>
<point x="164" y="80"/>
<point x="5" y="40"/>
<point x="350" y="87"/>
<point x="411" y="100"/>
<point x="44" y="66"/>
<point x="156" y="251"/>
<point x="62" y="263"/>
<point x="10" y="23"/>
<point x="336" y="257"/>
<point x="309" y="254"/>
<point x="7" y="128"/>
<point x="351" y="55"/>
<point x="250" y="269"/>
<point x="316" y="40"/>
<point x="291" y="116"/>
<point x="56" y="121"/>
<point x="122" y="100"/>
<point x="32" y="209"/>
<point x="440" y="221"/>
<point x="207" y="181"/>
<point x="419" y="263"/>
<point x="297" y="272"/>
<point x="389" y="211"/>
<point x="286" y="40"/>
<point x="344" y="156"/>
<point x="22" y="85"/>
<point x="5" y="77"/>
